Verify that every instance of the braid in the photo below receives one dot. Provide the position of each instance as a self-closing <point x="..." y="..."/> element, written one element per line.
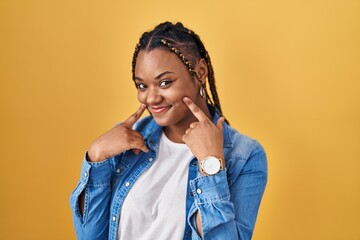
<point x="167" y="35"/>
<point x="181" y="56"/>
<point x="136" y="52"/>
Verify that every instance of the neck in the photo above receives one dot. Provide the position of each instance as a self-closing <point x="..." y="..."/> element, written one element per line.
<point x="176" y="132"/>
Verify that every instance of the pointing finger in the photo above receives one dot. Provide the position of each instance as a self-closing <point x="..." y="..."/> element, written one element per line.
<point x="200" y="115"/>
<point x="138" y="145"/>
<point x="133" y="118"/>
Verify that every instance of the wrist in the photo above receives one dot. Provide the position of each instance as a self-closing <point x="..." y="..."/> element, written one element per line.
<point x="201" y="157"/>
<point x="94" y="155"/>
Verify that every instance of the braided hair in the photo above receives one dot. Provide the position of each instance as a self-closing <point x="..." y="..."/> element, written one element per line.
<point x="186" y="45"/>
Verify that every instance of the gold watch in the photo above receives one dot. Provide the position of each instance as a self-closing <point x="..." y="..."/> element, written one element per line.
<point x="211" y="165"/>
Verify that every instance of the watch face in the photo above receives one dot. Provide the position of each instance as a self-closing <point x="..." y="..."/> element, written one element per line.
<point x="211" y="165"/>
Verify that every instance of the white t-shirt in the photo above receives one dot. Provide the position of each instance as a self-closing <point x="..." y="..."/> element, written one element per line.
<point x="155" y="207"/>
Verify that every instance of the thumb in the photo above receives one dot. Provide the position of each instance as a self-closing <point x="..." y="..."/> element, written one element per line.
<point x="220" y="123"/>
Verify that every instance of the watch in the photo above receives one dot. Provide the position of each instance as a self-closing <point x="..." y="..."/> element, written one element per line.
<point x="211" y="165"/>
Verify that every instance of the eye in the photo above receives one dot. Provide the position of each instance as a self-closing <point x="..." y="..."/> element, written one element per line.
<point x="165" y="83"/>
<point x="141" y="86"/>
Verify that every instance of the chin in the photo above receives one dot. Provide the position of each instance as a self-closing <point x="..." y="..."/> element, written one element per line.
<point x="163" y="122"/>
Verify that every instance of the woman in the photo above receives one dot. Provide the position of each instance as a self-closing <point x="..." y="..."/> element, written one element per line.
<point x="181" y="173"/>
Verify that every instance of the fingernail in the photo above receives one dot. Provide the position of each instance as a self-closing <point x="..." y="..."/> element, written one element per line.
<point x="187" y="100"/>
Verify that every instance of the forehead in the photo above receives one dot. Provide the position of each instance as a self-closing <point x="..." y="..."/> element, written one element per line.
<point x="152" y="63"/>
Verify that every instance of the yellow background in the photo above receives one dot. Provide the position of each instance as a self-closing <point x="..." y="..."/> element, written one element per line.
<point x="287" y="74"/>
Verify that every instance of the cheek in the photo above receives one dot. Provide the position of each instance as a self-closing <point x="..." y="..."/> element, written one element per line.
<point x="174" y="97"/>
<point x="141" y="97"/>
<point x="188" y="90"/>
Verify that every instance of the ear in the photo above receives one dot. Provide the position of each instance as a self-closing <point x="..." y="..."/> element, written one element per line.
<point x="202" y="70"/>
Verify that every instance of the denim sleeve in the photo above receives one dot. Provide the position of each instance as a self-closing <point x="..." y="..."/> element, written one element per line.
<point x="228" y="210"/>
<point x="95" y="182"/>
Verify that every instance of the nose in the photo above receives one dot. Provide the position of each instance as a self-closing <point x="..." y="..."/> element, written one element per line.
<point x="153" y="97"/>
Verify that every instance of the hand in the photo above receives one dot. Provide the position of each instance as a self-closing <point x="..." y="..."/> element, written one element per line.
<point x="203" y="137"/>
<point x="118" y="139"/>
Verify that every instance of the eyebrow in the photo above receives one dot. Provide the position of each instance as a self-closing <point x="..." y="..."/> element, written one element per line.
<point x="157" y="78"/>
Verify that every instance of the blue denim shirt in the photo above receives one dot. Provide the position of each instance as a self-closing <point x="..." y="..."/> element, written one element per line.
<point x="228" y="201"/>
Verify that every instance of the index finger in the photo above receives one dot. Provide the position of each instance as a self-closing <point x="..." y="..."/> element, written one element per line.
<point x="134" y="117"/>
<point x="200" y="115"/>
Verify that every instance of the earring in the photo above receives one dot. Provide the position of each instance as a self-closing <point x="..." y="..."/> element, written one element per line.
<point x="202" y="91"/>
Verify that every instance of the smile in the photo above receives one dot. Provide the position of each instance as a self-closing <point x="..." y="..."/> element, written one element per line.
<point x="159" y="109"/>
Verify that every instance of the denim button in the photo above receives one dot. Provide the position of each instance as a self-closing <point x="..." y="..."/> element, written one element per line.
<point x="199" y="191"/>
<point x="127" y="184"/>
<point x="118" y="170"/>
<point x="151" y="159"/>
<point x="85" y="174"/>
<point x="114" y="218"/>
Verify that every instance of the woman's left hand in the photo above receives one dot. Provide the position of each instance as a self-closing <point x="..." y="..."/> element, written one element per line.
<point x="203" y="137"/>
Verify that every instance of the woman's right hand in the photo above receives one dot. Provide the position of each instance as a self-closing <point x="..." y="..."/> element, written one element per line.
<point x="118" y="139"/>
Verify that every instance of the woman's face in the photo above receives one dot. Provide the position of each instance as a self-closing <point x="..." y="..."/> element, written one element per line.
<point x="163" y="81"/>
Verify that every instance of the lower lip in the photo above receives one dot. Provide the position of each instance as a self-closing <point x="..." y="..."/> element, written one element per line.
<point x="159" y="110"/>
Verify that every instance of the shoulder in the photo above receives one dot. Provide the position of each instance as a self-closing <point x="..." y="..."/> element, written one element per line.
<point x="244" y="153"/>
<point x="242" y="145"/>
